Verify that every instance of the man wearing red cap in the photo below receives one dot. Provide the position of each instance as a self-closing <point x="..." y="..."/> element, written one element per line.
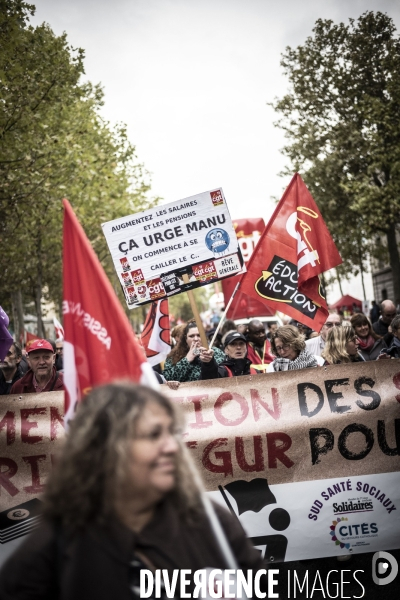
<point x="42" y="375"/>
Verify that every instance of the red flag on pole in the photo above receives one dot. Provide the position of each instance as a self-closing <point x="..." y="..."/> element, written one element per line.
<point x="293" y="250"/>
<point x="248" y="232"/>
<point x="156" y="337"/>
<point x="99" y="345"/>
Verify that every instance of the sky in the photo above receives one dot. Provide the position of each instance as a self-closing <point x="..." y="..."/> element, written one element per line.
<point x="192" y="80"/>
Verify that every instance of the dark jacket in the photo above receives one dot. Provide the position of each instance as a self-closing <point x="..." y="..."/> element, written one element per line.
<point x="235" y="368"/>
<point x="25" y="385"/>
<point x="374" y="352"/>
<point x="94" y="565"/>
<point x="380" y="327"/>
<point x="6" y="387"/>
<point x="393" y="351"/>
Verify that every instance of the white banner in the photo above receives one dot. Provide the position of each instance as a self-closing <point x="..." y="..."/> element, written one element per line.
<point x="152" y="251"/>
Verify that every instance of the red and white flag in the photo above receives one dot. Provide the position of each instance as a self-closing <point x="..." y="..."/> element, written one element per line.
<point x="59" y="330"/>
<point x="100" y="345"/>
<point x="294" y="249"/>
<point x="156" y="337"/>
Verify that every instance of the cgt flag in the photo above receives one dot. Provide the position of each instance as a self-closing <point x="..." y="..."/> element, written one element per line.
<point x="294" y="249"/>
<point x="99" y="344"/>
<point x="156" y="338"/>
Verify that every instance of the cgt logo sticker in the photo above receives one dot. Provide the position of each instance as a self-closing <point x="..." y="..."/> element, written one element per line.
<point x="384" y="568"/>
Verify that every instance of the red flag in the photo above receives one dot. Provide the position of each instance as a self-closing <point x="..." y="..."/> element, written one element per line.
<point x="156" y="337"/>
<point x="30" y="337"/>
<point x="58" y="329"/>
<point x="248" y="232"/>
<point x="294" y="249"/>
<point x="99" y="345"/>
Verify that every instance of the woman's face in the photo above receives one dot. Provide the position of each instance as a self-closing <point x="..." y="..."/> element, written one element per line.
<point x="352" y="347"/>
<point x="362" y="330"/>
<point x="193" y="336"/>
<point x="396" y="333"/>
<point x="284" y="350"/>
<point x="153" y="453"/>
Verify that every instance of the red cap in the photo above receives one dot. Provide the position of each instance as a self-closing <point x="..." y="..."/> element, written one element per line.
<point x="40" y="345"/>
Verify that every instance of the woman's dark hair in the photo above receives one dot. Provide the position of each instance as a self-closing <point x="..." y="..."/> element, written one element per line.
<point x="359" y="320"/>
<point x="181" y="349"/>
<point x="229" y="325"/>
<point x="93" y="466"/>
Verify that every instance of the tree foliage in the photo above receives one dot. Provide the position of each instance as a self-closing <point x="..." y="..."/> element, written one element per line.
<point x="54" y="144"/>
<point x="341" y="120"/>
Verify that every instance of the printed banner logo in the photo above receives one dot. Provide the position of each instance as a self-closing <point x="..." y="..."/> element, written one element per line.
<point x="279" y="283"/>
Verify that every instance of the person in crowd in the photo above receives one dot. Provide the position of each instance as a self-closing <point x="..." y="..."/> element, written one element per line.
<point x="218" y="338"/>
<point x="42" y="375"/>
<point x="374" y="312"/>
<point x="183" y="363"/>
<point x="290" y="348"/>
<point x="242" y="328"/>
<point x="124" y="495"/>
<point x="59" y="355"/>
<point x="176" y="333"/>
<point x="388" y="313"/>
<point x="341" y="346"/>
<point x="236" y="362"/>
<point x="315" y="345"/>
<point x="370" y="344"/>
<point x="258" y="347"/>
<point x="272" y="327"/>
<point x="10" y="369"/>
<point x="393" y="351"/>
<point x="228" y="326"/>
<point x="304" y="329"/>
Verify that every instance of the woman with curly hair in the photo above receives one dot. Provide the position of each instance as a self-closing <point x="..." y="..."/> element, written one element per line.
<point x="288" y="344"/>
<point x="183" y="362"/>
<point x="341" y="346"/>
<point x="370" y="345"/>
<point x="123" y="496"/>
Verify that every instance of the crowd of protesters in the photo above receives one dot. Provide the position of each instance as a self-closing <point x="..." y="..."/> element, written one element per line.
<point x="237" y="350"/>
<point x="135" y="500"/>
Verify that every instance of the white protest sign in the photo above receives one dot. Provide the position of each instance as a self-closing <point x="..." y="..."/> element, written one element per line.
<point x="154" y="249"/>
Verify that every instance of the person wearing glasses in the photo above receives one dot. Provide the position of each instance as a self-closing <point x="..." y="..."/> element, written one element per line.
<point x="123" y="496"/>
<point x="342" y="347"/>
<point x="316" y="345"/>
<point x="289" y="347"/>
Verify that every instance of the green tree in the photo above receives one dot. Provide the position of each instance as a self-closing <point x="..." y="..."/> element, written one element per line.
<point x="341" y="120"/>
<point x="54" y="144"/>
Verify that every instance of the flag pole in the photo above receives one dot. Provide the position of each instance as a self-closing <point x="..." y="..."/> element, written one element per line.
<point x="196" y="313"/>
<point x="224" y="314"/>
